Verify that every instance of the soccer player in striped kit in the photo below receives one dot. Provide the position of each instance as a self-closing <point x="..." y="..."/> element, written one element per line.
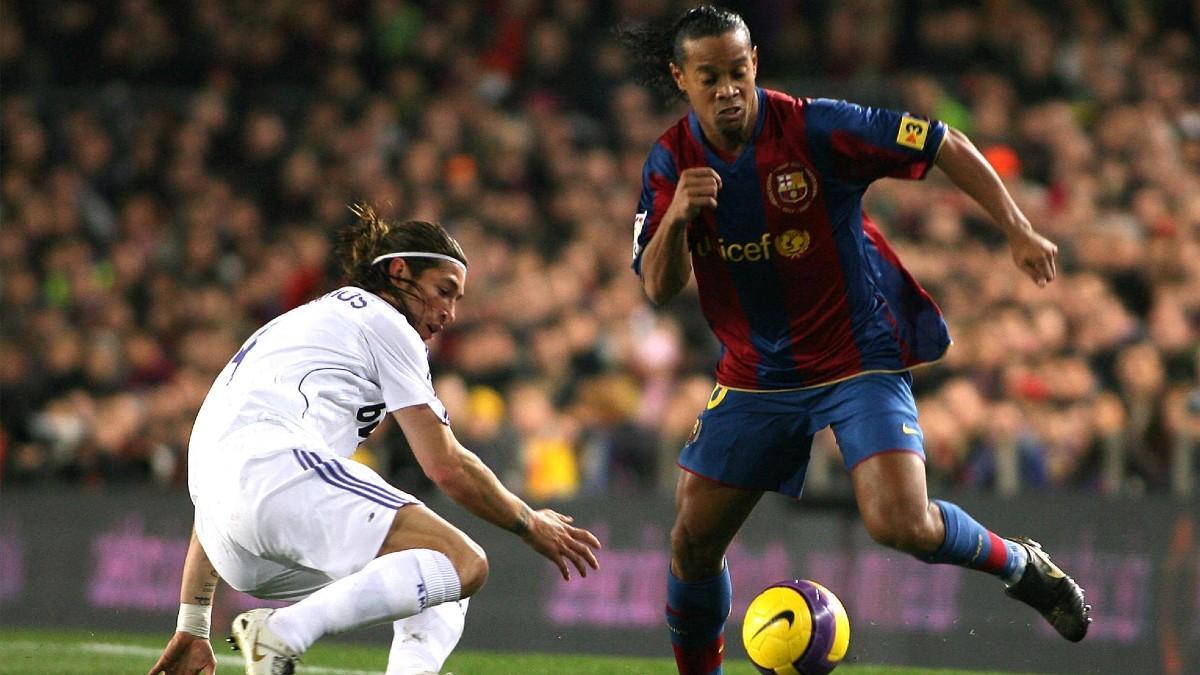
<point x="282" y="512"/>
<point x="760" y="196"/>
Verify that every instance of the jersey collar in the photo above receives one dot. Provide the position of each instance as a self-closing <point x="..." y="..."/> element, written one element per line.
<point x="716" y="158"/>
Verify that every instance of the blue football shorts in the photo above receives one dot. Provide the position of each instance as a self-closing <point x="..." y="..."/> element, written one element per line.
<point x="761" y="440"/>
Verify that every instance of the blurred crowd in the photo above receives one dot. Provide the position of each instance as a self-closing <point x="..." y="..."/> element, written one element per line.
<point x="171" y="173"/>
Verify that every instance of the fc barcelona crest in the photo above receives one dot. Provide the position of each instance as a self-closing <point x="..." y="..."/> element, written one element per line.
<point x="791" y="187"/>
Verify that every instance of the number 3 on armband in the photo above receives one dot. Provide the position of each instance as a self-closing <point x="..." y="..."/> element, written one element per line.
<point x="370" y="415"/>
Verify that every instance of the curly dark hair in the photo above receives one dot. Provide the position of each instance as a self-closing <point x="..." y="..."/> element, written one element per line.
<point x="654" y="48"/>
<point x="369" y="236"/>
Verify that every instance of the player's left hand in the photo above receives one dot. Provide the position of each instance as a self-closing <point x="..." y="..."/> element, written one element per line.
<point x="551" y="534"/>
<point x="1034" y="255"/>
<point x="186" y="654"/>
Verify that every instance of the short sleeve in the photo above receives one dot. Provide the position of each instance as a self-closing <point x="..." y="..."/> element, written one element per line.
<point x="659" y="176"/>
<point x="862" y="144"/>
<point x="403" y="364"/>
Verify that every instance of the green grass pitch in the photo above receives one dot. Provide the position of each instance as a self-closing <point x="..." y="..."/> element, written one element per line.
<point x="28" y="652"/>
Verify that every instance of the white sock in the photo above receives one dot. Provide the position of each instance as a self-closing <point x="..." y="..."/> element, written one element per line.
<point x="389" y="587"/>
<point x="1022" y="556"/>
<point x="423" y="642"/>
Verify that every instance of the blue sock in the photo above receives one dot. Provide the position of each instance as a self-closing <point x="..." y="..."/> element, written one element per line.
<point x="696" y="614"/>
<point x="969" y="544"/>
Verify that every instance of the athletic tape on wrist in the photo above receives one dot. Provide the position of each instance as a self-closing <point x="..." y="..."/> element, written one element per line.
<point x="194" y="619"/>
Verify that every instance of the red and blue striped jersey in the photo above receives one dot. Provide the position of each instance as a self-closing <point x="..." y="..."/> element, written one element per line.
<point x="799" y="286"/>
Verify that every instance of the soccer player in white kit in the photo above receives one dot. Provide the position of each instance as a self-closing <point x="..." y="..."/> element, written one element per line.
<point x="282" y="512"/>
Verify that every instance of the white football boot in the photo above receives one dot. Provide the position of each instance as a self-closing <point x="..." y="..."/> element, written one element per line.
<point x="262" y="650"/>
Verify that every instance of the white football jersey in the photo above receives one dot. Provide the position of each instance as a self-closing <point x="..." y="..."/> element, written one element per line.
<point x="326" y="372"/>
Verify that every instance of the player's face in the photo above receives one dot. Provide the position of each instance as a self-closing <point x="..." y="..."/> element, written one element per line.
<point x="443" y="286"/>
<point x="718" y="74"/>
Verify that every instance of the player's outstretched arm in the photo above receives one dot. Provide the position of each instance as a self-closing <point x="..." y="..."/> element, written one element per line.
<point x="961" y="161"/>
<point x="189" y="650"/>
<point x="666" y="265"/>
<point x="468" y="481"/>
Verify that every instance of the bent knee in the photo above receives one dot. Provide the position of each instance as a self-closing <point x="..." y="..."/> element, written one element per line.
<point x="472" y="567"/>
<point x="914" y="535"/>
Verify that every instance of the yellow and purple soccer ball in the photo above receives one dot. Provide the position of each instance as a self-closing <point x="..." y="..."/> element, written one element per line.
<point x="796" y="627"/>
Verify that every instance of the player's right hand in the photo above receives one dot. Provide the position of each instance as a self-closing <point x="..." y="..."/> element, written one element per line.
<point x="551" y="534"/>
<point x="696" y="189"/>
<point x="186" y="654"/>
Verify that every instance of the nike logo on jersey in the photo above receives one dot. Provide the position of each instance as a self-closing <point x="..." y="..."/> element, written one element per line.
<point x="786" y="615"/>
<point x="911" y="431"/>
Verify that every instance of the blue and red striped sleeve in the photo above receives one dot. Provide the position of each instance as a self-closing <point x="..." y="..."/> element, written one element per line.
<point x="659" y="176"/>
<point x="862" y="144"/>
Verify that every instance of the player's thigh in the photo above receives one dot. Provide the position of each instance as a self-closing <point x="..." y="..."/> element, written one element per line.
<point x="417" y="526"/>
<point x="890" y="488"/>
<point x="310" y="508"/>
<point x="894" y="504"/>
<point x="882" y="445"/>
<point x="874" y="414"/>
<point x="708" y="515"/>
<point x="758" y="441"/>
<point x="247" y="571"/>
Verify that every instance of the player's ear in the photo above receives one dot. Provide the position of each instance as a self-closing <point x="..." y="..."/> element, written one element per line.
<point x="677" y="75"/>
<point x="754" y="58"/>
<point x="397" y="268"/>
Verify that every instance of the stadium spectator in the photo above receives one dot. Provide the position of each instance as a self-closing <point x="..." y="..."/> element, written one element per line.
<point x="128" y="177"/>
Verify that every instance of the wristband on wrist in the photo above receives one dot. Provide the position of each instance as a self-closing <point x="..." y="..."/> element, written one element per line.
<point x="194" y="619"/>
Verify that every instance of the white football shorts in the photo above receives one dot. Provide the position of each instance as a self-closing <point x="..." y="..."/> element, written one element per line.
<point x="292" y="521"/>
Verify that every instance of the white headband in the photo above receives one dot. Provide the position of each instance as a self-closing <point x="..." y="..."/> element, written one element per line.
<point x="420" y="254"/>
